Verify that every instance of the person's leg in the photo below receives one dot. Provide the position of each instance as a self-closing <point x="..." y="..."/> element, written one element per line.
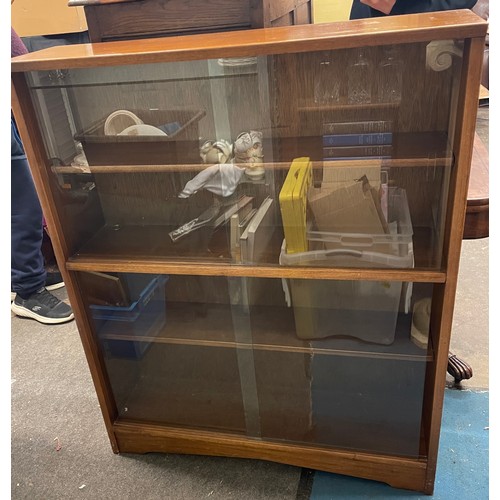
<point x="28" y="273"/>
<point x="27" y="263"/>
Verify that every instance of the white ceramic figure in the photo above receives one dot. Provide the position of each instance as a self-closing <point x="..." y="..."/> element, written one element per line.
<point x="216" y="152"/>
<point x="248" y="150"/>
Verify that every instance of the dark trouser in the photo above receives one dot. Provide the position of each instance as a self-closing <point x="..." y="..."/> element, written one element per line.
<point x="27" y="263"/>
<point x="360" y="11"/>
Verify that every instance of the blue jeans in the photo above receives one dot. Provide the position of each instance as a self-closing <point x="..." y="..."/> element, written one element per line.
<point x="27" y="263"/>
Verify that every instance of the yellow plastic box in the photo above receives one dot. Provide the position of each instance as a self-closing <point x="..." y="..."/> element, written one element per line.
<point x="293" y="204"/>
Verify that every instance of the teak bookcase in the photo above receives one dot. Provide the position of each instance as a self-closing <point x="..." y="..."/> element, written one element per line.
<point x="232" y="343"/>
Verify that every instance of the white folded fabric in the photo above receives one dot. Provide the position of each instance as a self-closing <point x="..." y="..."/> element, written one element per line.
<point x="221" y="179"/>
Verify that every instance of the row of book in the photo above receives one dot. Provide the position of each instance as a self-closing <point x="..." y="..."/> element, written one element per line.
<point x="357" y="140"/>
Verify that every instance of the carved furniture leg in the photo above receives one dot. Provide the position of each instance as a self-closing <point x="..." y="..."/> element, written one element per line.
<point x="458" y="368"/>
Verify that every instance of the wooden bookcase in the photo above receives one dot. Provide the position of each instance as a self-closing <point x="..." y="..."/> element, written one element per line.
<point x="193" y="345"/>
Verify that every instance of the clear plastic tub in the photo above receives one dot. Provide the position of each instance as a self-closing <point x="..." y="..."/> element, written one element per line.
<point x="366" y="310"/>
<point x="398" y="242"/>
<point x="348" y="258"/>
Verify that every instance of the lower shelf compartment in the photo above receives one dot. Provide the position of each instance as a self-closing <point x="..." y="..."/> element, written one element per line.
<point x="181" y="351"/>
<point x="371" y="405"/>
<point x="197" y="311"/>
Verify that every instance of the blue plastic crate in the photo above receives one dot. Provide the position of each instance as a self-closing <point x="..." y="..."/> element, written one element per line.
<point x="144" y="317"/>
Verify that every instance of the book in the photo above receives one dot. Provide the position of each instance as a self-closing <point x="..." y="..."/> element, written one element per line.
<point x="357" y="139"/>
<point x="104" y="289"/>
<point x="238" y="222"/>
<point x="242" y="202"/>
<point x="375" y="157"/>
<point x="257" y="234"/>
<point x="358" y="127"/>
<point x="357" y="151"/>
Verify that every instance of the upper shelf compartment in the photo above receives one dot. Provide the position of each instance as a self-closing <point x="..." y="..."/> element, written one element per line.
<point x="180" y="149"/>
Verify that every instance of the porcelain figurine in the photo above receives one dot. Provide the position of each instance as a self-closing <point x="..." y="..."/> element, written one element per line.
<point x="248" y="150"/>
<point x="216" y="152"/>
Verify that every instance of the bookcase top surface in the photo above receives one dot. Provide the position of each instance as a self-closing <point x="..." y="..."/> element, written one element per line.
<point x="287" y="39"/>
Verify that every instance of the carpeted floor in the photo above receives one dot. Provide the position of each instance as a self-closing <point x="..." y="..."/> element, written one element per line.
<point x="462" y="470"/>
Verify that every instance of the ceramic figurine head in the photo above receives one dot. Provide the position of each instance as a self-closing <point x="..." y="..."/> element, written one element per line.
<point x="216" y="152"/>
<point x="248" y="149"/>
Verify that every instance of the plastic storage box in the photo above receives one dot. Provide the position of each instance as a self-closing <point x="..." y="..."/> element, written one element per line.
<point x="367" y="310"/>
<point x="398" y="242"/>
<point x="144" y="317"/>
<point x="180" y="146"/>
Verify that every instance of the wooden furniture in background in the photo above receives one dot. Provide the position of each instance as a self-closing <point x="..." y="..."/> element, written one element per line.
<point x="477" y="219"/>
<point x="128" y="19"/>
<point x="207" y="360"/>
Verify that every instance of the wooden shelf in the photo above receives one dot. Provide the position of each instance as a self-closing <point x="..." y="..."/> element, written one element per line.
<point x="168" y="266"/>
<point x="71" y="83"/>
<point x="132" y="169"/>
<point x="307" y="106"/>
<point x="424" y="149"/>
<point x="150" y="248"/>
<point x="271" y="330"/>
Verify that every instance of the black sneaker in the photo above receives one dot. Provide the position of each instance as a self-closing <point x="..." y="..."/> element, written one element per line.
<point x="43" y="307"/>
<point x="53" y="281"/>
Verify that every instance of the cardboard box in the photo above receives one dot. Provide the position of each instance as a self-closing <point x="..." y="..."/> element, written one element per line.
<point x="354" y="208"/>
<point x="51" y="17"/>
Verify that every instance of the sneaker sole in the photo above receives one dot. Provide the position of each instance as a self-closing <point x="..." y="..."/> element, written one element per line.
<point x="55" y="286"/>
<point x="26" y="313"/>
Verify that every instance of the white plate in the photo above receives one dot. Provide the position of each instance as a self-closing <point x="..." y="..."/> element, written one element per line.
<point x="142" y="129"/>
<point x="119" y="120"/>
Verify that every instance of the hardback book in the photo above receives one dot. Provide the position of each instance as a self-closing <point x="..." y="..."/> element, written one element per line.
<point x="374" y="157"/>
<point x="105" y="289"/>
<point x="358" y="127"/>
<point x="242" y="206"/>
<point x="255" y="238"/>
<point x="357" y="151"/>
<point x="357" y="139"/>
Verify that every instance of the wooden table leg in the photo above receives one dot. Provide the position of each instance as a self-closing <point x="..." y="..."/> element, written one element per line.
<point x="458" y="368"/>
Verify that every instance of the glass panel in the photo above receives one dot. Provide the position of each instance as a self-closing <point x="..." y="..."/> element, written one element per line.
<point x="252" y="357"/>
<point x="165" y="345"/>
<point x="348" y="354"/>
<point x="247" y="160"/>
<point x="364" y="404"/>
